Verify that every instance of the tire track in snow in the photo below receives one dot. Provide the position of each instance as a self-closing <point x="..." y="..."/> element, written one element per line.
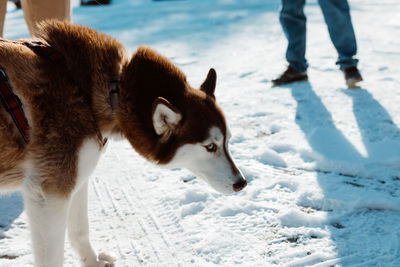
<point x="117" y="209"/>
<point x="144" y="223"/>
<point x="131" y="236"/>
<point x="164" y="217"/>
<point x="154" y="216"/>
<point x="142" y="219"/>
<point x="98" y="188"/>
<point x="127" y="226"/>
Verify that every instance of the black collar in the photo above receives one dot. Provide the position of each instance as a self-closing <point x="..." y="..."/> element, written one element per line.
<point x="113" y="94"/>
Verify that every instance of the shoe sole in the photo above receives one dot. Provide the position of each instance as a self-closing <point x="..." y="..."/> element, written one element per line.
<point x="352" y="83"/>
<point x="302" y="79"/>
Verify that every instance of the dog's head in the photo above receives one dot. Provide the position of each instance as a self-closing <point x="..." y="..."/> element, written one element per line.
<point x="174" y="125"/>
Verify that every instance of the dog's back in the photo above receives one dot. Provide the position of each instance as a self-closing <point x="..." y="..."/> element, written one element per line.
<point x="58" y="88"/>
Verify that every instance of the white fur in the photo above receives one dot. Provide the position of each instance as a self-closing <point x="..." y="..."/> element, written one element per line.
<point x="214" y="168"/>
<point x="78" y="226"/>
<point x="88" y="156"/>
<point x="164" y="120"/>
<point x="78" y="231"/>
<point x="78" y="223"/>
<point x="47" y="218"/>
<point x="48" y="215"/>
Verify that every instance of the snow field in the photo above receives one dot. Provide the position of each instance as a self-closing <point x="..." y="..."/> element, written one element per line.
<point x="322" y="161"/>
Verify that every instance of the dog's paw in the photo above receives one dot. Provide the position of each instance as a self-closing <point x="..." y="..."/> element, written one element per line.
<point x="104" y="260"/>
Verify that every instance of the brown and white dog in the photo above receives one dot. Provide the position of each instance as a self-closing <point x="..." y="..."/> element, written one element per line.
<point x="78" y="88"/>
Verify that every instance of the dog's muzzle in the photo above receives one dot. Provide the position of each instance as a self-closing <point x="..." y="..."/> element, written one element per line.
<point x="239" y="185"/>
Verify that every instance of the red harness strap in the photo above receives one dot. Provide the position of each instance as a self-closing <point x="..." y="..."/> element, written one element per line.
<point x="8" y="99"/>
<point x="13" y="105"/>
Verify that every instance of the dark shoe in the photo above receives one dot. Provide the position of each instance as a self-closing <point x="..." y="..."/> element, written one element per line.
<point x="352" y="77"/>
<point x="289" y="76"/>
<point x="95" y="2"/>
<point x="17" y="3"/>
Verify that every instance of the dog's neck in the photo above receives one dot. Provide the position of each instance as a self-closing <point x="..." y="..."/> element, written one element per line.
<point x="105" y="106"/>
<point x="144" y="78"/>
<point x="113" y="94"/>
<point x="94" y="61"/>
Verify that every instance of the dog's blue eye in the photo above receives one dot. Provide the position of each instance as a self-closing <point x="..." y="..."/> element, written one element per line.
<point x="211" y="147"/>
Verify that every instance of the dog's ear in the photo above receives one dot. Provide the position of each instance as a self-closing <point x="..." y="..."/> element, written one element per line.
<point x="166" y="117"/>
<point x="208" y="85"/>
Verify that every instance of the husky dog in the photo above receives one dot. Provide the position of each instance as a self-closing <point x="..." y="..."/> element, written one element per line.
<point x="77" y="88"/>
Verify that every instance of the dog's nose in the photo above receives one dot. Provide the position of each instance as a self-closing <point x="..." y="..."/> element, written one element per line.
<point x="239" y="185"/>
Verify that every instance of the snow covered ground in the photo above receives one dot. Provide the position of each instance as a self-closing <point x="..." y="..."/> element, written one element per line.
<point x="322" y="161"/>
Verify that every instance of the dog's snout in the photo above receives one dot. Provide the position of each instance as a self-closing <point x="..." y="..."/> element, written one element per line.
<point x="239" y="185"/>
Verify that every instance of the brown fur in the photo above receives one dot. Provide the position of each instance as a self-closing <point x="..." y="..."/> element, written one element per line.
<point x="148" y="76"/>
<point x="66" y="101"/>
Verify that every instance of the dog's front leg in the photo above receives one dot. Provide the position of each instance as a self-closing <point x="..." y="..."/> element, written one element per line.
<point x="47" y="218"/>
<point x="78" y="231"/>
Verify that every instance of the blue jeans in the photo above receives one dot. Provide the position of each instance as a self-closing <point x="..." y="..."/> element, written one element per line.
<point x="337" y="17"/>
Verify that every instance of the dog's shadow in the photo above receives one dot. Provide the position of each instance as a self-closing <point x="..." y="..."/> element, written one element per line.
<point x="11" y="207"/>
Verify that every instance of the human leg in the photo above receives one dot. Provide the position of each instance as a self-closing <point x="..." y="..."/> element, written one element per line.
<point x="293" y="22"/>
<point x="338" y="20"/>
<point x="38" y="10"/>
<point x="3" y="10"/>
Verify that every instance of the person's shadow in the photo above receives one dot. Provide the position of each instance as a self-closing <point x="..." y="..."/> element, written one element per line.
<point x="317" y="124"/>
<point x="381" y="138"/>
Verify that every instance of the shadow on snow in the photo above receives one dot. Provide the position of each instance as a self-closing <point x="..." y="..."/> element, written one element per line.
<point x="143" y="22"/>
<point x="350" y="231"/>
<point x="11" y="206"/>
